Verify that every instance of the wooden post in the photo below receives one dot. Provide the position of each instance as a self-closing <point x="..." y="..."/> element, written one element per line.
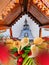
<point x="40" y="32"/>
<point x="11" y="32"/>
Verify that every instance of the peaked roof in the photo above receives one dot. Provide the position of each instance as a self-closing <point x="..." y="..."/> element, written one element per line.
<point x="11" y="10"/>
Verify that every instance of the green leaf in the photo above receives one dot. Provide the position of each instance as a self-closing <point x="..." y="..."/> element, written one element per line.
<point x="24" y="55"/>
<point x="14" y="50"/>
<point x="26" y="48"/>
<point x="27" y="51"/>
<point x="25" y="60"/>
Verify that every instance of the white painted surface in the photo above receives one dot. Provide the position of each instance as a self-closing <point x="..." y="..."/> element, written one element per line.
<point x="45" y="33"/>
<point x="19" y="26"/>
<point x="6" y="34"/>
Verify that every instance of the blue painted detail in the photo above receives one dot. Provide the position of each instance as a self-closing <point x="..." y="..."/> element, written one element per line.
<point x="26" y="32"/>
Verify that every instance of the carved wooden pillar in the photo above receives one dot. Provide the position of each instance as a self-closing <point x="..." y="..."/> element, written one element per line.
<point x="11" y="32"/>
<point x="40" y="32"/>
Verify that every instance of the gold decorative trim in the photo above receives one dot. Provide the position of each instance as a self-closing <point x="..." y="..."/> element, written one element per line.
<point x="41" y="4"/>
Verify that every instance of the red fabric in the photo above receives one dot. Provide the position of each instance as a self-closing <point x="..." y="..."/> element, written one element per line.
<point x="4" y="54"/>
<point x="43" y="58"/>
<point x="46" y="38"/>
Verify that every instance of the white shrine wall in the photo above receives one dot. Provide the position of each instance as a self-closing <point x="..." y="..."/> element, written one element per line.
<point x="19" y="26"/>
<point x="16" y="28"/>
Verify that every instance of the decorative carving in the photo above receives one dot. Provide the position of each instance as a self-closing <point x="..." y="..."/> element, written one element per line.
<point x="46" y="2"/>
<point x="43" y="5"/>
<point x="8" y="8"/>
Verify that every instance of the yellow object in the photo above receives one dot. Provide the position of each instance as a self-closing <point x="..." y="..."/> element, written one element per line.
<point x="10" y="46"/>
<point x="9" y="41"/>
<point x="44" y="45"/>
<point x="38" y="41"/>
<point x="17" y="44"/>
<point x="34" y="50"/>
<point x="24" y="42"/>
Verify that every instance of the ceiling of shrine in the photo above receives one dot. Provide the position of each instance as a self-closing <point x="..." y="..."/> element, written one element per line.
<point x="11" y="10"/>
